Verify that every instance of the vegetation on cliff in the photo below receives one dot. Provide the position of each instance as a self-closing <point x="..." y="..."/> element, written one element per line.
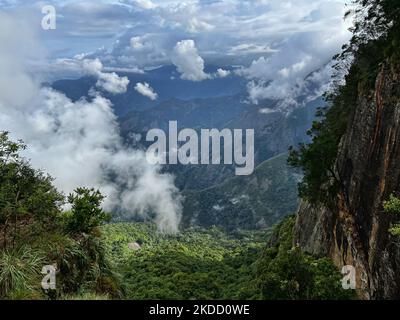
<point x="285" y="272"/>
<point x="392" y="206"/>
<point x="376" y="38"/>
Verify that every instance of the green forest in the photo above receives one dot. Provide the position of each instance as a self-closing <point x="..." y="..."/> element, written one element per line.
<point x="97" y="259"/>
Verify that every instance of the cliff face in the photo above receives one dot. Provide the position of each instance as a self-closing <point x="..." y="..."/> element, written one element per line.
<point x="368" y="164"/>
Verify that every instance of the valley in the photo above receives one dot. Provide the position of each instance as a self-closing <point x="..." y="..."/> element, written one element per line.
<point x="259" y="201"/>
<point x="210" y="264"/>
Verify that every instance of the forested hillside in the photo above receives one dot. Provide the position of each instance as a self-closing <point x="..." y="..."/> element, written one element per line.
<point x="98" y="260"/>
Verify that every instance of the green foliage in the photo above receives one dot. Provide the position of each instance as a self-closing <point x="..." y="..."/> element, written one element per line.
<point x="284" y="272"/>
<point x="24" y="191"/>
<point x="376" y="22"/>
<point x="376" y="38"/>
<point x="211" y="264"/>
<point x="392" y="206"/>
<point x="196" y="264"/>
<point x="317" y="159"/>
<point x="86" y="213"/>
<point x="19" y="271"/>
<point x="9" y="150"/>
<point x="87" y="297"/>
<point x="30" y="212"/>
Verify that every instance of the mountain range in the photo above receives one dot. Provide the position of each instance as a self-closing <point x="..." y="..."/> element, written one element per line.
<point x="216" y="103"/>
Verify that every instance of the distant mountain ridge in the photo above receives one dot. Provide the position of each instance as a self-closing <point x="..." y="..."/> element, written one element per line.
<point x="275" y="132"/>
<point x="246" y="202"/>
<point x="165" y="81"/>
<point x="221" y="103"/>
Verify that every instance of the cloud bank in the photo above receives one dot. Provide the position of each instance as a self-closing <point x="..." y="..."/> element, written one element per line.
<point x="277" y="42"/>
<point x="78" y="143"/>
<point x="302" y="62"/>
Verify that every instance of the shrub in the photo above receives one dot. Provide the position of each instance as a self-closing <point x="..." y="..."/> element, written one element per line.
<point x="19" y="271"/>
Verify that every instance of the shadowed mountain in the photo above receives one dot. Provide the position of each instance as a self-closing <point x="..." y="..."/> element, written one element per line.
<point x="166" y="83"/>
<point x="275" y="131"/>
<point x="246" y="202"/>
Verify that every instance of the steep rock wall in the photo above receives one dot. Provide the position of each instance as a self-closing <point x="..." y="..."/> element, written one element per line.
<point x="368" y="164"/>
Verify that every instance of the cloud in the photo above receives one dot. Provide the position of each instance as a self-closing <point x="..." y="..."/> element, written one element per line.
<point x="221" y="73"/>
<point x="146" y="90"/>
<point x="188" y="62"/>
<point x="140" y="34"/>
<point x="145" y="4"/>
<point x="113" y="83"/>
<point x="78" y="143"/>
<point x="142" y="43"/>
<point x="271" y="39"/>
<point x="282" y="75"/>
<point x="72" y="68"/>
<point x="250" y="48"/>
<point x="110" y="82"/>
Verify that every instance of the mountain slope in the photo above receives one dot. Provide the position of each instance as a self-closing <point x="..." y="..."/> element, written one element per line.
<point x="274" y="132"/>
<point x="246" y="202"/>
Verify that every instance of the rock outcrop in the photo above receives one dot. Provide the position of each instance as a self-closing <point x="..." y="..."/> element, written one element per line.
<point x="368" y="164"/>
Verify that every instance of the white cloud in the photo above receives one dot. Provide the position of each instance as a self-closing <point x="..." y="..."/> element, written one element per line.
<point x="113" y="83"/>
<point x="135" y="70"/>
<point x="78" y="143"/>
<point x="266" y="110"/>
<point x="269" y="37"/>
<point x="226" y="32"/>
<point x="110" y="82"/>
<point x="194" y="26"/>
<point x="93" y="67"/>
<point x="146" y="90"/>
<point x="188" y="62"/>
<point x="145" y="4"/>
<point x="81" y="66"/>
<point x="221" y="73"/>
<point x="250" y="48"/>
<point x="142" y="43"/>
<point x="281" y="76"/>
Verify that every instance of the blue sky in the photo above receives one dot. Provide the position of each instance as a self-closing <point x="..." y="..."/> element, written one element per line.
<point x="224" y="31"/>
<point x="279" y="40"/>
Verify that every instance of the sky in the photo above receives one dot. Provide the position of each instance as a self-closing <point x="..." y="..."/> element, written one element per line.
<point x="273" y="44"/>
<point x="142" y="33"/>
<point x="267" y="40"/>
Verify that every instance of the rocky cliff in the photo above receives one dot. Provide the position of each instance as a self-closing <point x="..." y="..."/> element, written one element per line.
<point x="355" y="231"/>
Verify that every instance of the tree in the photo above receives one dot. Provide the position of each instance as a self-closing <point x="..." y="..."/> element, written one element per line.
<point x="376" y="39"/>
<point x="392" y="206"/>
<point x="285" y="272"/>
<point x="32" y="232"/>
<point x="86" y="212"/>
<point x="24" y="191"/>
